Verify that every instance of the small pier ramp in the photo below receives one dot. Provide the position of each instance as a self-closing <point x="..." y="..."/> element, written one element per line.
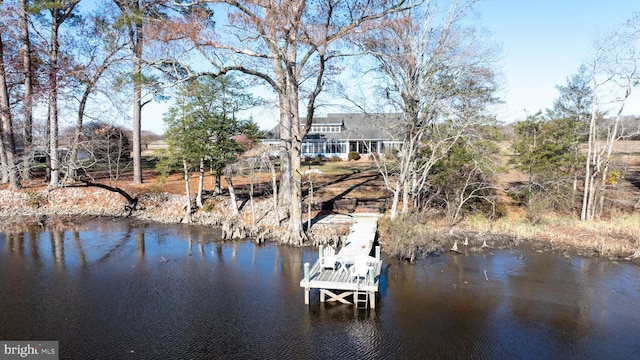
<point x="351" y="276"/>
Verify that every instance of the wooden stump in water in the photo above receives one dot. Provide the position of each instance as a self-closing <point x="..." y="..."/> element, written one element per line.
<point x="454" y="248"/>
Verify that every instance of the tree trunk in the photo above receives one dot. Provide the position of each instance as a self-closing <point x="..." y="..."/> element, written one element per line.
<point x="292" y="117"/>
<point x="285" y="152"/>
<point x="4" y="173"/>
<point x="296" y="234"/>
<point x="53" y="107"/>
<point x="73" y="159"/>
<point x="217" y="189"/>
<point x="612" y="137"/>
<point x="80" y="119"/>
<point x="8" y="144"/>
<point x="405" y="198"/>
<point x="59" y="13"/>
<point x="187" y="211"/>
<point x="200" y="184"/>
<point x="274" y="185"/>
<point x="394" y="203"/>
<point x="137" y="113"/>
<point x="28" y="91"/>
<point x="232" y="192"/>
<point x="588" y="179"/>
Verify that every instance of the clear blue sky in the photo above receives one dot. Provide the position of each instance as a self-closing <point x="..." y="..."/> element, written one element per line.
<point x="544" y="42"/>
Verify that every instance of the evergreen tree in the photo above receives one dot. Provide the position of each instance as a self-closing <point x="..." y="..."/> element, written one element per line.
<point x="203" y="125"/>
<point x="547" y="151"/>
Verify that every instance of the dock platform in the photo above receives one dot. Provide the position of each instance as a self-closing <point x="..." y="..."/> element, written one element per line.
<point x="341" y="283"/>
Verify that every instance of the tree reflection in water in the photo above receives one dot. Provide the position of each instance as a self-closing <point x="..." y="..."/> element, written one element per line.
<point x="140" y="290"/>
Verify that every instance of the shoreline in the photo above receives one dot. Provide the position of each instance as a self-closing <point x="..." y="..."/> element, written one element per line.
<point x="70" y="206"/>
<point x="20" y="209"/>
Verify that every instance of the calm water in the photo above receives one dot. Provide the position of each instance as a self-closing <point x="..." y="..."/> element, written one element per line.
<point x="119" y="290"/>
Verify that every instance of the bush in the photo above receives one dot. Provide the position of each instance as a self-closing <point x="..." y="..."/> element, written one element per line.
<point x="35" y="199"/>
<point x="354" y="155"/>
<point x="411" y="238"/>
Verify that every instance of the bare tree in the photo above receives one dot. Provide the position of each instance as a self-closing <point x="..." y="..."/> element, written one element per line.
<point x="103" y="149"/>
<point x="147" y="137"/>
<point x="28" y="76"/>
<point x="101" y="48"/>
<point x="289" y="45"/>
<point x="135" y="15"/>
<point x="615" y="74"/>
<point x="6" y="133"/>
<point x="440" y="76"/>
<point x="465" y="180"/>
<point x="59" y="12"/>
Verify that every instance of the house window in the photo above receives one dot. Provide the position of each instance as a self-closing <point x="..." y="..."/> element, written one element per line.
<point x="325" y="129"/>
<point x="335" y="147"/>
<point x="324" y="147"/>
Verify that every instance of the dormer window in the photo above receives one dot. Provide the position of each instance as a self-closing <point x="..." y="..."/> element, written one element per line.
<point x="323" y="129"/>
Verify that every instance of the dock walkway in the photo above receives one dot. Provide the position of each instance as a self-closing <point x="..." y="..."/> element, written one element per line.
<point x="340" y="283"/>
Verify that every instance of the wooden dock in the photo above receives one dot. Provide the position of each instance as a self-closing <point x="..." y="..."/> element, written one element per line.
<point x="341" y="283"/>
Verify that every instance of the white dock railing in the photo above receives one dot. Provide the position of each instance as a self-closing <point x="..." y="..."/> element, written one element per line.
<point x="346" y="277"/>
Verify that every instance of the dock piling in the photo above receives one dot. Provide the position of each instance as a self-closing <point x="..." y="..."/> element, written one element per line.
<point x="307" y="267"/>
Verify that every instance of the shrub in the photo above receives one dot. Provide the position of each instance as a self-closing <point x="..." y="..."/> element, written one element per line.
<point x="354" y="155"/>
<point x="35" y="199"/>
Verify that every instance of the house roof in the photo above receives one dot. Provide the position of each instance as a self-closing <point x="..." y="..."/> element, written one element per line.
<point x="354" y="127"/>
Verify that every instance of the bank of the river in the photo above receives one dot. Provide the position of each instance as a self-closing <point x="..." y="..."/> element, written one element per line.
<point x="411" y="241"/>
<point x="68" y="205"/>
<point x="415" y="237"/>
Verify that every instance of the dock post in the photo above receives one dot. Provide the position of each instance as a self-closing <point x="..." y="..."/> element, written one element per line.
<point x="378" y="252"/>
<point x="371" y="275"/>
<point x="307" y="271"/>
<point x="306" y="278"/>
<point x="320" y="251"/>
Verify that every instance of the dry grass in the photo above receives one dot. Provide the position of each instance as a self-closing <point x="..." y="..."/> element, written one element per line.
<point x="409" y="239"/>
<point x="620" y="233"/>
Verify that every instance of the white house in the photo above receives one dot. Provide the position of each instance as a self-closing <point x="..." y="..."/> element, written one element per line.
<point x="340" y="133"/>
